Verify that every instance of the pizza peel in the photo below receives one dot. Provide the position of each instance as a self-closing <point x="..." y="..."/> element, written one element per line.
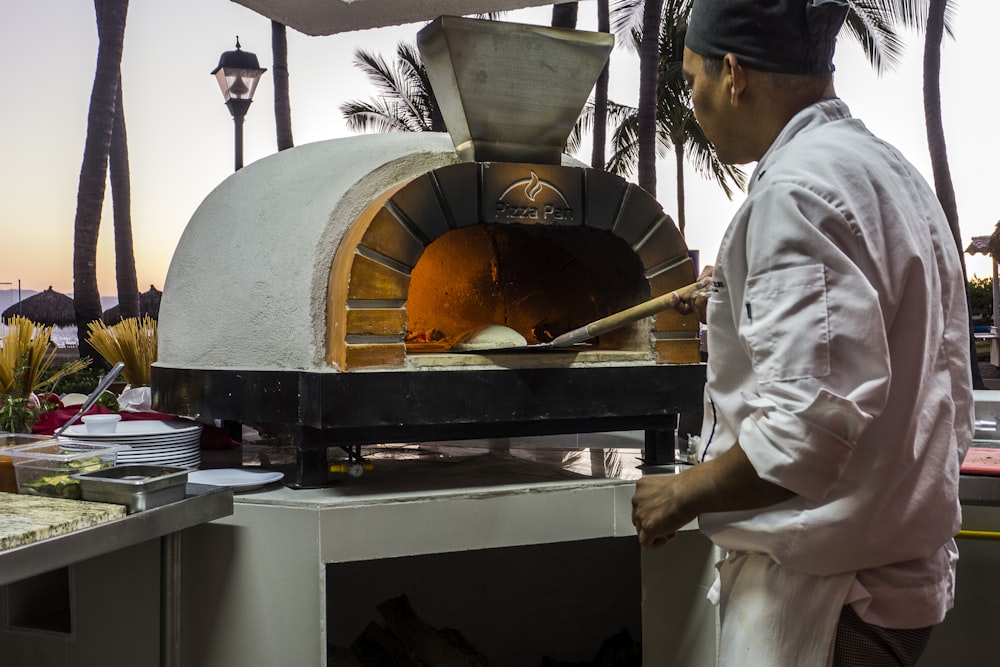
<point x="505" y="339"/>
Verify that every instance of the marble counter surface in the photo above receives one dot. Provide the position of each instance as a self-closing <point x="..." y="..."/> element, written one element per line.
<point x="27" y="519"/>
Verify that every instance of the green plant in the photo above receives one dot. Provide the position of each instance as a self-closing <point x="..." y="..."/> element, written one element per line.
<point x="18" y="413"/>
<point x="981" y="299"/>
<point x="81" y="382"/>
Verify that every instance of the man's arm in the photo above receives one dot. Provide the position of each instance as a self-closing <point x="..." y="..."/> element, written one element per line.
<point x="663" y="504"/>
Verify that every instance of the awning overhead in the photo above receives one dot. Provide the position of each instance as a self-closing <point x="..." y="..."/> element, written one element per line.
<point x="327" y="17"/>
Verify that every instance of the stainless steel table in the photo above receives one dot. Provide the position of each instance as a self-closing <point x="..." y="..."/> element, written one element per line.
<point x="200" y="505"/>
<point x="979" y="490"/>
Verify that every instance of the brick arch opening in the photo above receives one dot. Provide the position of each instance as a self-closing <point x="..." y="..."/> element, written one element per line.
<point x="540" y="248"/>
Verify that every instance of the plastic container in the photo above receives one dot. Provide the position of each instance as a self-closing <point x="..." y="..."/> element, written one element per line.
<point x="44" y="468"/>
<point x="101" y="424"/>
<point x="8" y="479"/>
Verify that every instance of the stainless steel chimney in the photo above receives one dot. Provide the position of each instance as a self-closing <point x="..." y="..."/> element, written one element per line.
<point x="510" y="92"/>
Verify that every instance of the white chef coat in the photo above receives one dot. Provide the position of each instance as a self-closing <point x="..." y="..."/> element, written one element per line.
<point x="839" y="359"/>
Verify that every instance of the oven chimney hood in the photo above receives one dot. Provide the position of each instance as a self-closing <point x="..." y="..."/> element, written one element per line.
<point x="510" y="92"/>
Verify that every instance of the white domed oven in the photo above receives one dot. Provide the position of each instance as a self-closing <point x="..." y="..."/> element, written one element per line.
<point x="323" y="288"/>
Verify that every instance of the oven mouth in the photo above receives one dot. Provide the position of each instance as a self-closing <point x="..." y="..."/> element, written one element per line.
<point x="540" y="281"/>
<point x="541" y="249"/>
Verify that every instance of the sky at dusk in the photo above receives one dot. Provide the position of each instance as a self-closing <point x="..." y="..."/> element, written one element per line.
<point x="180" y="134"/>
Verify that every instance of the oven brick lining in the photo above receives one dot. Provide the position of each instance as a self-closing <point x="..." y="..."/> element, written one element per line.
<point x="370" y="278"/>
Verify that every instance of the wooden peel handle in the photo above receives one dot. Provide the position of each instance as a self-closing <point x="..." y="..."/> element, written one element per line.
<point x="629" y="315"/>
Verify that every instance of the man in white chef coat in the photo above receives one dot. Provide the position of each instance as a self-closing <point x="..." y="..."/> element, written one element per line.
<point x="838" y="402"/>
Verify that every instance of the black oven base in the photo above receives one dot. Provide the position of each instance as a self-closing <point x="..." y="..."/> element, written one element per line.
<point x="337" y="409"/>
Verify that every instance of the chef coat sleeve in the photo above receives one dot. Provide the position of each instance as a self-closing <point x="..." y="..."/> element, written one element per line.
<point x="815" y="332"/>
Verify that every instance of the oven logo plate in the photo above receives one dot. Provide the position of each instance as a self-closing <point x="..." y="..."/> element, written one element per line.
<point x="532" y="194"/>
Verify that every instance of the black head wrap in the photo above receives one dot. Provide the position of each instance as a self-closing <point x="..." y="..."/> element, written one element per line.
<point x="785" y="36"/>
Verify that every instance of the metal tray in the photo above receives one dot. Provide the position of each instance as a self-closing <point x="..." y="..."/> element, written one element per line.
<point x="138" y="487"/>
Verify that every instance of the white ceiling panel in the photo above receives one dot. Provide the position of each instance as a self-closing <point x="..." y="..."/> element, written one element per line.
<point x="327" y="17"/>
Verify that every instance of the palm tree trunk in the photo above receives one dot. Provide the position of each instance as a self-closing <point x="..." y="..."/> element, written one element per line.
<point x="939" y="152"/>
<point x="564" y="15"/>
<point x="112" y="15"/>
<point x="600" y="135"/>
<point x="679" y="164"/>
<point x="121" y="197"/>
<point x="649" y="71"/>
<point x="282" y="105"/>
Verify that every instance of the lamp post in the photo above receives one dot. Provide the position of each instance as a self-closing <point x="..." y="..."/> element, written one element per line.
<point x="238" y="74"/>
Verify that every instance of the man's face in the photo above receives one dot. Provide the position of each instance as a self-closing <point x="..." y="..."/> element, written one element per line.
<point x="711" y="99"/>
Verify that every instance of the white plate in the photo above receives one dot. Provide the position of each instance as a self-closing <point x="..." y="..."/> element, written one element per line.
<point x="137" y="428"/>
<point x="185" y="459"/>
<point x="235" y="478"/>
<point x="158" y="449"/>
<point x="153" y="440"/>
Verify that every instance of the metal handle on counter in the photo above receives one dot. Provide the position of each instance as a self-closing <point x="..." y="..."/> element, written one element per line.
<point x="986" y="425"/>
<point x="87" y="404"/>
<point x="977" y="535"/>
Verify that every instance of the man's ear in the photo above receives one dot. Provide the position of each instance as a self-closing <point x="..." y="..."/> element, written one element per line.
<point x="737" y="77"/>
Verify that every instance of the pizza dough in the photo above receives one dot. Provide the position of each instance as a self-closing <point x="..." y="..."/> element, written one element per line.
<point x="489" y="337"/>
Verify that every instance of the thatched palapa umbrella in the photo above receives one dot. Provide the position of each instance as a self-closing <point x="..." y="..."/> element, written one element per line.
<point x="149" y="304"/>
<point x="48" y="308"/>
<point x="990" y="245"/>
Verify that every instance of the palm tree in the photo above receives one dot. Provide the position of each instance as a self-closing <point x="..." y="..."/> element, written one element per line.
<point x="936" y="144"/>
<point x="282" y="105"/>
<point x="938" y="12"/>
<point x="121" y="198"/>
<point x="600" y="126"/>
<point x="406" y="102"/>
<point x="870" y="23"/>
<point x="565" y="16"/>
<point x="676" y="128"/>
<point x="649" y="74"/>
<point x="111" y="15"/>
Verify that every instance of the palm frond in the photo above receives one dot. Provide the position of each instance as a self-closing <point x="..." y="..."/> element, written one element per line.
<point x="378" y="71"/>
<point x="877" y="25"/>
<point x="405" y="100"/>
<point x="626" y="23"/>
<point x="375" y="116"/>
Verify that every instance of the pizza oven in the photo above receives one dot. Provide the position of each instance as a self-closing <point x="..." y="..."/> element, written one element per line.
<point x="323" y="288"/>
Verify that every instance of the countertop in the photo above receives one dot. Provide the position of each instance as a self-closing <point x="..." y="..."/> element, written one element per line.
<point x="49" y="551"/>
<point x="27" y="519"/>
<point x="979" y="490"/>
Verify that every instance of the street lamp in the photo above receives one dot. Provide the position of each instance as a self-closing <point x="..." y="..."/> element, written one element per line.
<point x="238" y="73"/>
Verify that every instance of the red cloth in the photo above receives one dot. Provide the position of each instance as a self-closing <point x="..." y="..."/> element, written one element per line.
<point x="212" y="437"/>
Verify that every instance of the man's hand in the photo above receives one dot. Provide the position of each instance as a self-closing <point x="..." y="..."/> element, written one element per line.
<point x="658" y="509"/>
<point x="696" y="302"/>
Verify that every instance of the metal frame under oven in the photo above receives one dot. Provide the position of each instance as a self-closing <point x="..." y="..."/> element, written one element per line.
<point x="348" y="410"/>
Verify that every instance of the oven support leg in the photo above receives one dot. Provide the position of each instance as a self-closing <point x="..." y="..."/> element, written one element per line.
<point x="659" y="445"/>
<point x="310" y="459"/>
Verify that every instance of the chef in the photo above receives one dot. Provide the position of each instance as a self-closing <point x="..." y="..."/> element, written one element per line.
<point x="838" y="402"/>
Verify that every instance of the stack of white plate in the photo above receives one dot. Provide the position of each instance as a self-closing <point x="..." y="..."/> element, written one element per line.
<point x="154" y="442"/>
